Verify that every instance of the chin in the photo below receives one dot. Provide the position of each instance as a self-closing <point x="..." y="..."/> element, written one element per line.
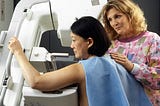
<point x="119" y="32"/>
<point x="77" y="57"/>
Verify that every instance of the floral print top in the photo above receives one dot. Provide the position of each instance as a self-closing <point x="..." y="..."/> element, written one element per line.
<point x="144" y="51"/>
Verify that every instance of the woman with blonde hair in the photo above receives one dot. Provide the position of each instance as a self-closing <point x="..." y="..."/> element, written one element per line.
<point x="133" y="46"/>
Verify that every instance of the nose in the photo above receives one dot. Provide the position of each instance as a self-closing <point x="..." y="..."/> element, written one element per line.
<point x="113" y="23"/>
<point x="71" y="45"/>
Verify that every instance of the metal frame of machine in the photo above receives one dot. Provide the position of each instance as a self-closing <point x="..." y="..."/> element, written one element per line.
<point x="31" y="18"/>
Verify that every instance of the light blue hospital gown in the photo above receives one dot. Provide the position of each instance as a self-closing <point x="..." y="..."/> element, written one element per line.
<point x="109" y="84"/>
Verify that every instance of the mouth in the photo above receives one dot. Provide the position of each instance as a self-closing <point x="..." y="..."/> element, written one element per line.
<point x="117" y="28"/>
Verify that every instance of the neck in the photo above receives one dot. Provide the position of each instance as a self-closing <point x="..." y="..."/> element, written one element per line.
<point x="89" y="56"/>
<point x="127" y="36"/>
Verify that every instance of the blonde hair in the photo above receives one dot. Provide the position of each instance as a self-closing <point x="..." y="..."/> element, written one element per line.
<point x="130" y="9"/>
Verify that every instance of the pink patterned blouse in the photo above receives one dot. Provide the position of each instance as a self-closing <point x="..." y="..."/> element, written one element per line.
<point x="144" y="52"/>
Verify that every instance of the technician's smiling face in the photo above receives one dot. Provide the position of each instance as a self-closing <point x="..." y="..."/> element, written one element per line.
<point x="79" y="46"/>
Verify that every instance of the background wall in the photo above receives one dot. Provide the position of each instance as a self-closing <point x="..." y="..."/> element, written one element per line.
<point x="6" y="11"/>
<point x="151" y="10"/>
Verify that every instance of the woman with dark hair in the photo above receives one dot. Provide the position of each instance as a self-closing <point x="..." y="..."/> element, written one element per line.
<point x="89" y="41"/>
<point x="133" y="46"/>
<point x="96" y="74"/>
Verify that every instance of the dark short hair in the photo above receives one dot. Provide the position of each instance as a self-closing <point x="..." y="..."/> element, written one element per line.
<point x="88" y="26"/>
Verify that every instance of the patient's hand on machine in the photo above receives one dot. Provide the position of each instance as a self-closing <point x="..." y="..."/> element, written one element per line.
<point x="15" y="46"/>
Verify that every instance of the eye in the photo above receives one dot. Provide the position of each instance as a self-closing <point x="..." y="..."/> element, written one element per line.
<point x="117" y="16"/>
<point x="73" y="40"/>
<point x="109" y="19"/>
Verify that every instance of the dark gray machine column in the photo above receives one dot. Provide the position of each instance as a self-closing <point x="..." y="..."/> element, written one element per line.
<point x="151" y="10"/>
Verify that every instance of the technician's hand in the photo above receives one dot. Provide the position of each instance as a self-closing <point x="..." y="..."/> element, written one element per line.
<point x="123" y="60"/>
<point x="14" y="45"/>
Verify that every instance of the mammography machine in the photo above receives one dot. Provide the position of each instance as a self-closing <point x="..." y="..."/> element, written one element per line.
<point x="30" y="20"/>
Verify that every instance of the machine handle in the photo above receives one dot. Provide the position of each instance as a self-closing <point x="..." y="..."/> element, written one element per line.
<point x="7" y="76"/>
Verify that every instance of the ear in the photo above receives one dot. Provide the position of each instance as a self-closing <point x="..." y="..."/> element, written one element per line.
<point x="90" y="42"/>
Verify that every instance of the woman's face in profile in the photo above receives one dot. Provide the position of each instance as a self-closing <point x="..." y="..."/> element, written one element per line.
<point x="79" y="46"/>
